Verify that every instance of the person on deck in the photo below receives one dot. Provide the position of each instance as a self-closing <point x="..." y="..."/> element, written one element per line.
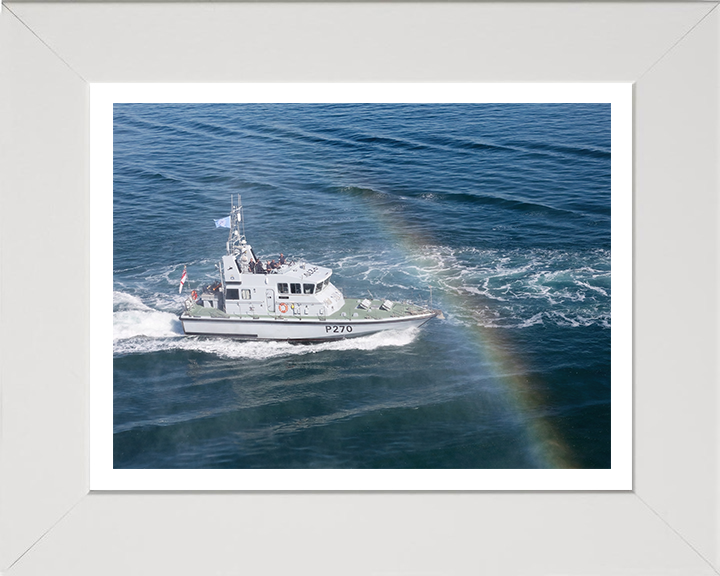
<point x="282" y="259"/>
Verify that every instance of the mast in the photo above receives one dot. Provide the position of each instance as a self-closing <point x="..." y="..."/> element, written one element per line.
<point x="237" y="246"/>
<point x="236" y="237"/>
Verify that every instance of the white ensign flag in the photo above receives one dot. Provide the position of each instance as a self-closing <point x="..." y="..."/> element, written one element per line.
<point x="182" y="279"/>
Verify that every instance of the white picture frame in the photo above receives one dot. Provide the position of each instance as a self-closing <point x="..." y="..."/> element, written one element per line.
<point x="103" y="475"/>
<point x="668" y="523"/>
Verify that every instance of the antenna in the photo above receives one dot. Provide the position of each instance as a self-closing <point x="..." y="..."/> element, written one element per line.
<point x="241" y="216"/>
<point x="234" y="237"/>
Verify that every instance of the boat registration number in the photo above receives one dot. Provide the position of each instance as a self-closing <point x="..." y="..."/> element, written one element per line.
<point x="337" y="328"/>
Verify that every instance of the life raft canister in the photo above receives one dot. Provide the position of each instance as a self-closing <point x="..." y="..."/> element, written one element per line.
<point x="283" y="307"/>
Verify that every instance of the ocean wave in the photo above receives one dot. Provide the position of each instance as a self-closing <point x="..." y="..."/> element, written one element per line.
<point x="458" y="144"/>
<point x="521" y="287"/>
<point x="493" y="319"/>
<point x="392" y="201"/>
<point x="511" y="204"/>
<point x="184" y="131"/>
<point x="560" y="149"/>
<point x="471" y="145"/>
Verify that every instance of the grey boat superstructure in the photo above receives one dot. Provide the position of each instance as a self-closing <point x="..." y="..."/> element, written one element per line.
<point x="294" y="301"/>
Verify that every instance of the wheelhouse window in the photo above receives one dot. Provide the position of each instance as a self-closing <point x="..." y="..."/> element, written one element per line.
<point x="232" y="294"/>
<point x="282" y="288"/>
<point x="308" y="288"/>
<point x="321" y="286"/>
<point x="245" y="294"/>
<point x="295" y="289"/>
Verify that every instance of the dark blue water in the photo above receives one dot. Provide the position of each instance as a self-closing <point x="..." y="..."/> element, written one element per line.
<point x="503" y="209"/>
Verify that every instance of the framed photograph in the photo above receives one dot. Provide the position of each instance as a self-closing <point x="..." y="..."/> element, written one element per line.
<point x="520" y="266"/>
<point x="85" y="479"/>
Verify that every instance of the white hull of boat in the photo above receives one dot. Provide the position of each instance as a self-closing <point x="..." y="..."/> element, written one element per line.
<point x="291" y="329"/>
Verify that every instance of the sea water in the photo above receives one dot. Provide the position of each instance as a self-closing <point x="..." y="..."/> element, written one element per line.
<point x="498" y="212"/>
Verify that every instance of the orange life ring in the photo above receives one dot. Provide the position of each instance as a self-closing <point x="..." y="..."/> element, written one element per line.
<point x="194" y="295"/>
<point x="283" y="307"/>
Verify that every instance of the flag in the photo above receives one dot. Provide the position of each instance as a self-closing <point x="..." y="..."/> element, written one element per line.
<point x="223" y="222"/>
<point x="182" y="279"/>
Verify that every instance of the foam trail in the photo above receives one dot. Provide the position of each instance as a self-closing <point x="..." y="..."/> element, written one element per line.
<point x="237" y="349"/>
<point x="233" y="349"/>
<point x="516" y="284"/>
<point x="153" y="324"/>
<point x="123" y="301"/>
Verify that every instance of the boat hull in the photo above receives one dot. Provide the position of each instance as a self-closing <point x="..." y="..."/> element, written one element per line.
<point x="290" y="329"/>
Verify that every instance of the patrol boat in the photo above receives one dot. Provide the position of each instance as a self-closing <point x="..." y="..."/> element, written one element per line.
<point x="293" y="301"/>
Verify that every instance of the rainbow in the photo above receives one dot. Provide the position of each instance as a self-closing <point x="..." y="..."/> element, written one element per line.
<point x="522" y="396"/>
